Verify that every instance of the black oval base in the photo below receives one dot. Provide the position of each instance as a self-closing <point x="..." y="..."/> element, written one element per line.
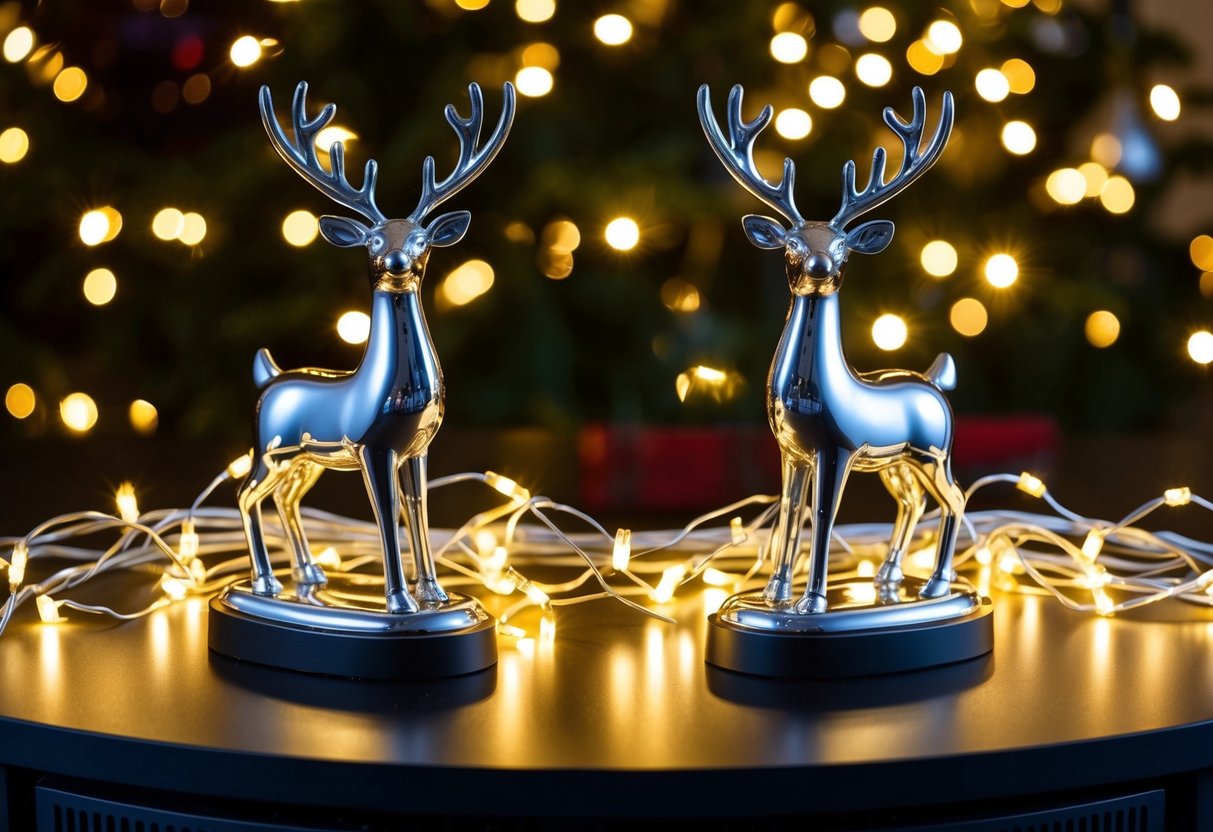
<point x="849" y="654"/>
<point x="355" y="655"/>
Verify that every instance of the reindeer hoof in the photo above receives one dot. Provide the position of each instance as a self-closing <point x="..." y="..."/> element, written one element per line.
<point x="401" y="602"/>
<point x="889" y="573"/>
<point x="430" y="592"/>
<point x="778" y="590"/>
<point x="266" y="585"/>
<point x="936" y="588"/>
<point x="812" y="603"/>
<point x="310" y="575"/>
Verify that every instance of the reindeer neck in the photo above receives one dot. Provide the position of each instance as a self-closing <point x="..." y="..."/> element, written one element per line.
<point x="399" y="349"/>
<point x="811" y="346"/>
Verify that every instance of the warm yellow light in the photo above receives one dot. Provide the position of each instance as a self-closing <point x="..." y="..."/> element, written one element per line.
<point x="1106" y="149"/>
<point x="613" y="29"/>
<point x="300" y="228"/>
<point x="332" y="134"/>
<point x="1117" y="195"/>
<point x="79" y="412"/>
<point x="18" y="44"/>
<point x="196" y="88"/>
<point x="193" y="229"/>
<point x="48" y="609"/>
<point x="889" y="332"/>
<point x="1102" y="328"/>
<point x="505" y="485"/>
<point x="938" y="258"/>
<point x="1001" y="270"/>
<point x="1179" y="496"/>
<point x="143" y="415"/>
<point x="992" y="85"/>
<point x="128" y="505"/>
<point x="873" y="70"/>
<point x="1031" y="484"/>
<point x="827" y="91"/>
<point x="471" y="5"/>
<point x="922" y="60"/>
<point x="533" y="81"/>
<point x="737" y="532"/>
<point x="175" y="588"/>
<point x="1067" y="186"/>
<point x="14" y="144"/>
<point x="1165" y="102"/>
<point x="1095" y="175"/>
<point x="168" y="223"/>
<point x="1206" y="284"/>
<point x="113" y="221"/>
<point x="354" y="327"/>
<point x="45" y="64"/>
<point x="680" y="295"/>
<point x="20" y="400"/>
<point x="1092" y="545"/>
<point x="535" y="11"/>
<point x="969" y="317"/>
<point x="1020" y="75"/>
<point x="100" y="286"/>
<point x="622" y="552"/>
<point x="622" y="234"/>
<point x="94" y="226"/>
<point x="793" y="123"/>
<point x="943" y="37"/>
<point x="541" y="54"/>
<point x="467" y="282"/>
<point x="240" y="466"/>
<point x="877" y="24"/>
<point x="1201" y="252"/>
<point x="561" y="236"/>
<point x="18" y="560"/>
<point x="1018" y="137"/>
<point x="245" y="51"/>
<point x="789" y="48"/>
<point x="70" y="84"/>
<point x="670" y="579"/>
<point x="1200" y="347"/>
<point x="329" y="558"/>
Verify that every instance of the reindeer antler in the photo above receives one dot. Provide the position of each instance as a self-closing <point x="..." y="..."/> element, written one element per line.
<point x="736" y="153"/>
<point x="913" y="163"/>
<point x="300" y="154"/>
<point x="472" y="160"/>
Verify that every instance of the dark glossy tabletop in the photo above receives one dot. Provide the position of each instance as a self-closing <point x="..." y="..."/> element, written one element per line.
<point x="614" y="699"/>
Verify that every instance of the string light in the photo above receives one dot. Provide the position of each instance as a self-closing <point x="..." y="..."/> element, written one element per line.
<point x="1001" y="270"/>
<point x="622" y="233"/>
<point x="128" y="506"/>
<point x="789" y="48"/>
<point x="245" y="51"/>
<point x="1165" y="102"/>
<point x="354" y="327"/>
<point x="889" y="332"/>
<point x="19" y="400"/>
<point x="48" y="610"/>
<point x="17" y="565"/>
<point x="506" y="486"/>
<point x="78" y="412"/>
<point x="1031" y="484"/>
<point x="239" y="467"/>
<point x="827" y="92"/>
<point x="14" y="144"/>
<point x="188" y="543"/>
<point x="621" y="554"/>
<point x="613" y="29"/>
<point x="100" y="286"/>
<point x="1180" y="496"/>
<point x="329" y="558"/>
<point x="533" y="81"/>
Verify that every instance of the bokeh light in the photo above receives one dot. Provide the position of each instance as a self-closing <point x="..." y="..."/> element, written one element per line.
<point x="300" y="228"/>
<point x="1201" y="252"/>
<point x="1200" y="346"/>
<point x="78" y="412"/>
<point x="535" y="11"/>
<point x="1102" y="328"/>
<point x="789" y="48"/>
<point x="533" y="81"/>
<point x="889" y="332"/>
<point x="939" y="258"/>
<point x="18" y="43"/>
<point x="827" y="92"/>
<point x="1018" y="137"/>
<point x="193" y="229"/>
<point x="245" y="51"/>
<point x="1117" y="195"/>
<point x="144" y="416"/>
<point x="943" y="37"/>
<point x="1020" y="76"/>
<point x="1066" y="186"/>
<point x="877" y="24"/>
<point x="1095" y="175"/>
<point x="922" y="60"/>
<point x="467" y="282"/>
<point x="14" y="144"/>
<point x="20" y="400"/>
<point x="622" y="233"/>
<point x="1164" y="101"/>
<point x="793" y="123"/>
<point x="968" y="316"/>
<point x="1001" y="270"/>
<point x="168" y="223"/>
<point x="70" y="84"/>
<point x="873" y="70"/>
<point x="100" y="286"/>
<point x="354" y="327"/>
<point x="613" y="29"/>
<point x="992" y="85"/>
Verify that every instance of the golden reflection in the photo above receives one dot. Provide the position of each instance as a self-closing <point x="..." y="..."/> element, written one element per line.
<point x="50" y="660"/>
<point x="621" y="675"/>
<point x="159" y="633"/>
<point x="654" y="665"/>
<point x="713" y="597"/>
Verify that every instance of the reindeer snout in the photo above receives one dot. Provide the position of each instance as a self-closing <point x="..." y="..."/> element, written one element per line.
<point x="819" y="265"/>
<point x="396" y="263"/>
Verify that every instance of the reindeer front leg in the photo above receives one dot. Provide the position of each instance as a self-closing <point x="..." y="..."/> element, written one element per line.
<point x="379" y="474"/>
<point x="830" y="469"/>
<point x="416" y="513"/>
<point x="785" y="540"/>
<point x="252" y="491"/>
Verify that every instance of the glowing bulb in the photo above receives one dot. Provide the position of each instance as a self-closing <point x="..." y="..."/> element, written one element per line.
<point x="354" y="327"/>
<point x="613" y="29"/>
<point x="793" y="123"/>
<point x="18" y="44"/>
<point x="1093" y="545"/>
<point x="506" y="486"/>
<point x="193" y="229"/>
<point x="714" y="577"/>
<point x="877" y="24"/>
<point x="187" y="544"/>
<point x="533" y="81"/>
<point x="622" y="553"/>
<point x="889" y="332"/>
<point x="16" y="565"/>
<point x="1102" y="328"/>
<point x="1103" y="602"/>
<point x="827" y="92"/>
<point x="48" y="609"/>
<point x="535" y="11"/>
<point x="1020" y="76"/>
<point x="1180" y="496"/>
<point x="1067" y="186"/>
<point x="14" y="144"/>
<point x="94" y="227"/>
<point x="143" y="415"/>
<point x="1001" y="270"/>
<point x="622" y="234"/>
<point x="240" y="466"/>
<point x="983" y="555"/>
<point x="670" y="579"/>
<point x="100" y="286"/>
<point x="534" y="593"/>
<point x="789" y="48"/>
<point x="737" y="533"/>
<point x="873" y="70"/>
<point x="1165" y="102"/>
<point x="680" y="295"/>
<point x="19" y="401"/>
<point x="1018" y="137"/>
<point x="300" y="228"/>
<point x="1200" y="347"/>
<point x="992" y="85"/>
<point x="1031" y="484"/>
<point x="78" y="412"/>
<point x="968" y="317"/>
<point x="1117" y="195"/>
<point x="70" y="84"/>
<point x="943" y="37"/>
<point x="174" y="588"/>
<point x="245" y="51"/>
<point x="128" y="506"/>
<point x="329" y="558"/>
<point x="168" y="223"/>
<point x="938" y="258"/>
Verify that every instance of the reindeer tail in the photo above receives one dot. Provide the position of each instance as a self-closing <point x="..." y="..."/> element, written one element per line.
<point x="264" y="368"/>
<point x="942" y="372"/>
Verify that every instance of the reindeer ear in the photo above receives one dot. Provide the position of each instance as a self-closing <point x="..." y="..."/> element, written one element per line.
<point x="342" y="231"/>
<point x="871" y="237"/>
<point x="764" y="232"/>
<point x="449" y="228"/>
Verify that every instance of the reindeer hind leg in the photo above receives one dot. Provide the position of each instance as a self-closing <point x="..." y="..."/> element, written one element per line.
<point x="296" y="483"/>
<point x="416" y="513"/>
<point x="259" y="483"/>
<point x="937" y="478"/>
<point x="911" y="502"/>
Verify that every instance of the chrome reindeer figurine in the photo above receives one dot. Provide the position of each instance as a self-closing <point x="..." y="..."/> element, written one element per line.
<point x="828" y="419"/>
<point x="380" y="418"/>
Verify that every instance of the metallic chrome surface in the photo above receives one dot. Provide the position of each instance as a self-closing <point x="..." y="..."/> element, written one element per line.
<point x="828" y="419"/>
<point x="379" y="418"/>
<point x="855" y="606"/>
<point x="347" y="610"/>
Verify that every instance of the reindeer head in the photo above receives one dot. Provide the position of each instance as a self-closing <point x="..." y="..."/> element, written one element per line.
<point x="397" y="248"/>
<point x="815" y="253"/>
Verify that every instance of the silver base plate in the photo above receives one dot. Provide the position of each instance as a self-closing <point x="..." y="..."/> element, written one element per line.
<point x="854" y="606"/>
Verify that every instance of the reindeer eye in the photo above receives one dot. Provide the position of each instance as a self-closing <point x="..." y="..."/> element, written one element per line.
<point x="416" y="246"/>
<point x="376" y="243"/>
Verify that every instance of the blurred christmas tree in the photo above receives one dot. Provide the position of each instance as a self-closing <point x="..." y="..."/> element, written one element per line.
<point x="151" y="240"/>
